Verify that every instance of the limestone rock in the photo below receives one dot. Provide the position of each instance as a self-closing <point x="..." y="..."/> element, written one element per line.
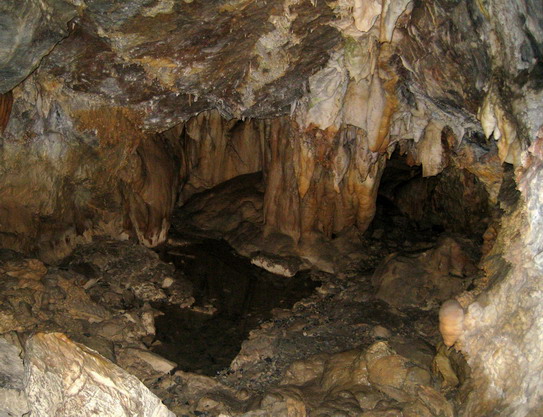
<point x="435" y="401"/>
<point x="304" y="371"/>
<point x="29" y="32"/>
<point x="514" y="268"/>
<point x="284" y="402"/>
<point x="287" y="267"/>
<point x="424" y="279"/>
<point x="451" y="321"/>
<point x="63" y="378"/>
<point x="96" y="140"/>
<point x="381" y="332"/>
<point x="142" y="363"/>
<point x="393" y="374"/>
<point x="13" y="401"/>
<point x="344" y="370"/>
<point x="130" y="271"/>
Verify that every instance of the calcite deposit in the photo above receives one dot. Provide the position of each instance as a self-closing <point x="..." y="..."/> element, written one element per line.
<point x="395" y="145"/>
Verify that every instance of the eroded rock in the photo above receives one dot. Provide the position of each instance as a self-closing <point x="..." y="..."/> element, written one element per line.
<point x="63" y="378"/>
<point x="13" y="401"/>
<point x="426" y="278"/>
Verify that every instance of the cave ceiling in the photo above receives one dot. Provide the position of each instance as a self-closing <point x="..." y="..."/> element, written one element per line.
<point x="328" y="90"/>
<point x="174" y="59"/>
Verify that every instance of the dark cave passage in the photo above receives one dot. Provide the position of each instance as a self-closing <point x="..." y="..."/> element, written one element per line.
<point x="232" y="297"/>
<point x="454" y="201"/>
<point x="444" y="216"/>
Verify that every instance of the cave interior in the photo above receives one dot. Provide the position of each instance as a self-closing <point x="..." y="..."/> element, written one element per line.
<point x="287" y="208"/>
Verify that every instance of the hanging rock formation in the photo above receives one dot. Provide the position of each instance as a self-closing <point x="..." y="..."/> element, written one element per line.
<point x="111" y="112"/>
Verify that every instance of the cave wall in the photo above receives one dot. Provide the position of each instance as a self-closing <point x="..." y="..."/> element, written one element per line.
<point x="69" y="174"/>
<point x="348" y="77"/>
<point x="503" y="326"/>
<point x="96" y="95"/>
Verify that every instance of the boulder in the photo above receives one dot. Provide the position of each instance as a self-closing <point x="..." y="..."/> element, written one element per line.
<point x="63" y="378"/>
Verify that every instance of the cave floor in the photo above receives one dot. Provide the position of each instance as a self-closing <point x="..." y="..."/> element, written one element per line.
<point x="341" y="317"/>
<point x="232" y="297"/>
<point x="288" y="335"/>
<point x="213" y="335"/>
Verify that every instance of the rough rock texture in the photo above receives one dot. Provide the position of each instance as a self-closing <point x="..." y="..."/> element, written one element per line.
<point x="29" y="31"/>
<point x="318" y="357"/>
<point x="354" y="383"/>
<point x="503" y="327"/>
<point x="100" y="297"/>
<point x="420" y="280"/>
<point x="234" y="211"/>
<point x="126" y="73"/>
<point x="342" y="84"/>
<point x="63" y="378"/>
<point x="13" y="401"/>
<point x="215" y="150"/>
<point x="81" y="184"/>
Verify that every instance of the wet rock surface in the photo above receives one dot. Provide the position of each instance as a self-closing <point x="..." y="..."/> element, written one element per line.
<point x="341" y="349"/>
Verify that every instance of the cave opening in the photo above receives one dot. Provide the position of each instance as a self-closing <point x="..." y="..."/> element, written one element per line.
<point x="437" y="220"/>
<point x="453" y="201"/>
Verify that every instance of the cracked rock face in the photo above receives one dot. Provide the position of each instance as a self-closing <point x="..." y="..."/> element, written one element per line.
<point x="61" y="376"/>
<point x="113" y="112"/>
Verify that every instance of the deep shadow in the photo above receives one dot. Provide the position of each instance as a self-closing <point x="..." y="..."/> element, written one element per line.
<point x="237" y="295"/>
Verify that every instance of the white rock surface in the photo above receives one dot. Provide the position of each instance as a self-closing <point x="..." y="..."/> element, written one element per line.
<point x="64" y="379"/>
<point x="287" y="267"/>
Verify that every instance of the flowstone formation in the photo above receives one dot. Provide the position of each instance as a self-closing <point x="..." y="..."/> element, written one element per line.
<point x="112" y="114"/>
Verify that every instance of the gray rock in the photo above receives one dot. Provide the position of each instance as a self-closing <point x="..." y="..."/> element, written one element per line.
<point x="285" y="266"/>
<point x="29" y="30"/>
<point x="12" y="398"/>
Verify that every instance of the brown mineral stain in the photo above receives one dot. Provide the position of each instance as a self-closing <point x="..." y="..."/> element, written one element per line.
<point x="6" y="101"/>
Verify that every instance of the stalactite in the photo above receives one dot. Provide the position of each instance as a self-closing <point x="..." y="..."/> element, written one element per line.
<point x="336" y="181"/>
<point x="215" y="150"/>
<point x="281" y="199"/>
<point x="149" y="189"/>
